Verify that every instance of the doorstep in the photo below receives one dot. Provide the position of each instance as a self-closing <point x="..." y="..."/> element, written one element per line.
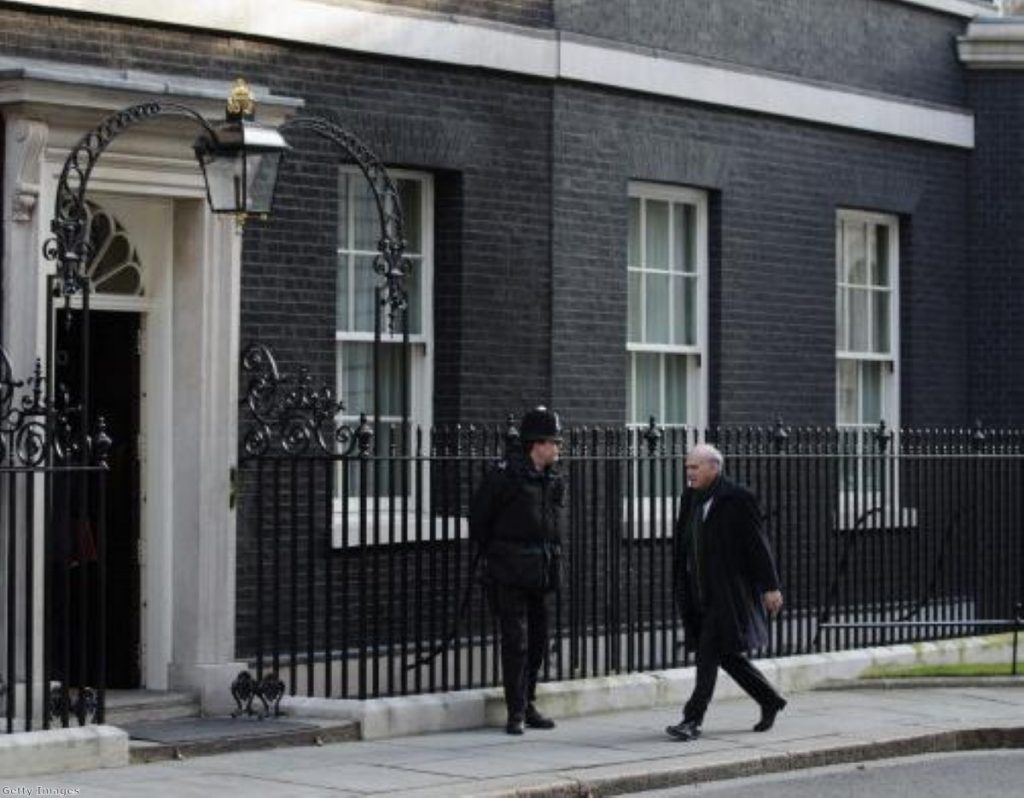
<point x="181" y="738"/>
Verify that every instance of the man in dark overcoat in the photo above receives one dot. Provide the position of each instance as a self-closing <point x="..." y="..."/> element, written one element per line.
<point x="726" y="585"/>
<point x="515" y="518"/>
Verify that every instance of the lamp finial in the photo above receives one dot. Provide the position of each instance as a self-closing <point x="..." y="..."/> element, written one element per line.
<point x="241" y="102"/>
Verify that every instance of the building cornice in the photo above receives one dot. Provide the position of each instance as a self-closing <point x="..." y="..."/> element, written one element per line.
<point x="993" y="43"/>
<point x="546" y="54"/>
<point x="959" y="8"/>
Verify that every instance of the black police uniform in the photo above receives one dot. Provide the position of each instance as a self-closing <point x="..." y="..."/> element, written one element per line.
<point x="516" y="517"/>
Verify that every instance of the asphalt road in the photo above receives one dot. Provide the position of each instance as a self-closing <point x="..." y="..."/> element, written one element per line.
<point x="985" y="774"/>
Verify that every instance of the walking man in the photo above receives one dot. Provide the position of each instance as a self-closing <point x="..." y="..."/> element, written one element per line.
<point x="515" y="519"/>
<point x="725" y="584"/>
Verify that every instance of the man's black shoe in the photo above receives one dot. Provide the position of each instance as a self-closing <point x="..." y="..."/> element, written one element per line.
<point x="685" y="730"/>
<point x="768" y="715"/>
<point x="514" y="725"/>
<point x="535" y="720"/>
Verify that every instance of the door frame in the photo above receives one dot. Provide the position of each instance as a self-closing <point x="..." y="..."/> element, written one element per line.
<point x="155" y="410"/>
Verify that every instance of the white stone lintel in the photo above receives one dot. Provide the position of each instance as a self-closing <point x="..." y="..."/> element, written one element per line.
<point x="993" y="43"/>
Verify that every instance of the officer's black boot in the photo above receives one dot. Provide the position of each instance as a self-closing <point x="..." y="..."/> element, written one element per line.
<point x="537" y="721"/>
<point x="514" y="725"/>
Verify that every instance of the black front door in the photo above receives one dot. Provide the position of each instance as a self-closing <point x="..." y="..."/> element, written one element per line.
<point x="114" y="389"/>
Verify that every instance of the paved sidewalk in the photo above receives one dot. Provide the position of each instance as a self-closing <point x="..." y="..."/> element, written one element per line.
<point x="612" y="753"/>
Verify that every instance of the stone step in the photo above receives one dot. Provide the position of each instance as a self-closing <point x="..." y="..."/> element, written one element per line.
<point x="133" y="706"/>
<point x="186" y="738"/>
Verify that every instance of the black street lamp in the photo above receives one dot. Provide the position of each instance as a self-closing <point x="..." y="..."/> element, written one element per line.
<point x="240" y="159"/>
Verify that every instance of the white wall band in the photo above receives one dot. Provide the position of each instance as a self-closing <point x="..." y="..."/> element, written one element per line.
<point x="547" y="54"/>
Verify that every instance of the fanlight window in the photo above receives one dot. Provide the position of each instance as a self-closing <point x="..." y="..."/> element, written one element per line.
<point x="114" y="267"/>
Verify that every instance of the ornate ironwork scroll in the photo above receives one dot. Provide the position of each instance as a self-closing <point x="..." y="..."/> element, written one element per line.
<point x="70" y="246"/>
<point x="84" y="705"/>
<point x="36" y="429"/>
<point x="245" y="690"/>
<point x="391" y="262"/>
<point x="285" y="414"/>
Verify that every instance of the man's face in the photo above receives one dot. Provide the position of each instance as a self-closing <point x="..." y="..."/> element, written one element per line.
<point x="700" y="471"/>
<point x="545" y="453"/>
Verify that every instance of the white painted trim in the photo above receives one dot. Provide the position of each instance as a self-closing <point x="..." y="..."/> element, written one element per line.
<point x="762" y="93"/>
<point x="959" y="8"/>
<point x="383" y="32"/>
<point x="993" y="44"/>
<point x="552" y="55"/>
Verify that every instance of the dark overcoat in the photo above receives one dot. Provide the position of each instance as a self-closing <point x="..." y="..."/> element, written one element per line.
<point x="738" y="570"/>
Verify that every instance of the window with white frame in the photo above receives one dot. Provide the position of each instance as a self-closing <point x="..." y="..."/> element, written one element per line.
<point x="358" y="234"/>
<point x="666" y="344"/>
<point x="867" y="335"/>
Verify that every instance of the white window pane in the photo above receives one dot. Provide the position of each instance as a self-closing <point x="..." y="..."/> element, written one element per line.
<point x="859" y="300"/>
<point x="880" y="261"/>
<point x="356" y="369"/>
<point x="684" y="290"/>
<point x="846" y="388"/>
<point x="343" y="211"/>
<point x="648" y="386"/>
<point x="410" y="193"/>
<point x="842" y="328"/>
<point x="366" y="281"/>
<point x="855" y="254"/>
<point x="343" y="292"/>
<point x="657" y="235"/>
<point x="883" y="301"/>
<point x="630" y="417"/>
<point x="872" y="400"/>
<point x="684" y="256"/>
<point x="413" y="287"/>
<point x="633" y="253"/>
<point x="636" y="307"/>
<point x="657" y="327"/>
<point x="365" y="219"/>
<point x="355" y="365"/>
<point x="676" y="389"/>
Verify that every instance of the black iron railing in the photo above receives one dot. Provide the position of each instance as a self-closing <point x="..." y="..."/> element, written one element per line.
<point x="354" y="557"/>
<point x="52" y="556"/>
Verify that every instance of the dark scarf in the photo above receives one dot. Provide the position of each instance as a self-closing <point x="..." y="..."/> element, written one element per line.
<point x="695" y="529"/>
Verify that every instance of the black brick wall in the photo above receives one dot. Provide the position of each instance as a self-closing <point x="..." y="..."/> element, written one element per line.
<point x="869" y="44"/>
<point x="997" y="250"/>
<point x="775" y="190"/>
<point x="531" y="219"/>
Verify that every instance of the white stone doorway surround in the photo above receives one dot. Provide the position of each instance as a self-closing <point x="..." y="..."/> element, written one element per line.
<point x="190" y="342"/>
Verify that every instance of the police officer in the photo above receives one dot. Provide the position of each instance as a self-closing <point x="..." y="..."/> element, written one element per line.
<point x="515" y="519"/>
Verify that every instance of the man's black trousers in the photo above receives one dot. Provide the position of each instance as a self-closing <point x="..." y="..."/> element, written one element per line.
<point x="741" y="669"/>
<point x="523" y="619"/>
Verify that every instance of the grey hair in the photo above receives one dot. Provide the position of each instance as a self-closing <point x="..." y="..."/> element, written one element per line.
<point x="706" y="451"/>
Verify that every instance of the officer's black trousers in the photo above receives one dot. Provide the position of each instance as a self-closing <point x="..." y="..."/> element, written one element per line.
<point x="741" y="669"/>
<point x="523" y="619"/>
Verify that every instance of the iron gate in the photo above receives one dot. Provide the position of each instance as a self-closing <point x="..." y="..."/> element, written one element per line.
<point x="52" y="556"/>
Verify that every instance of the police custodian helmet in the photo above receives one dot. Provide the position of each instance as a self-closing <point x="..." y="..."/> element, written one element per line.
<point x="540" y="424"/>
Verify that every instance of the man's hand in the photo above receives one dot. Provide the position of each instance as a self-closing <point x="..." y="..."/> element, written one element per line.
<point x="773" y="601"/>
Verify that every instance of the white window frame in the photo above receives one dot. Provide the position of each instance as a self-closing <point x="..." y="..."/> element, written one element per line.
<point x="859" y="502"/>
<point x="697" y="372"/>
<point x="421" y="388"/>
<point x="650" y="523"/>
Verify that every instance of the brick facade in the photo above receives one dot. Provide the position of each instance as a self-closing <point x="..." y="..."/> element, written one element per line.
<point x="531" y="207"/>
<point x="997" y="249"/>
<point x="873" y="45"/>
<point x="776" y="187"/>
